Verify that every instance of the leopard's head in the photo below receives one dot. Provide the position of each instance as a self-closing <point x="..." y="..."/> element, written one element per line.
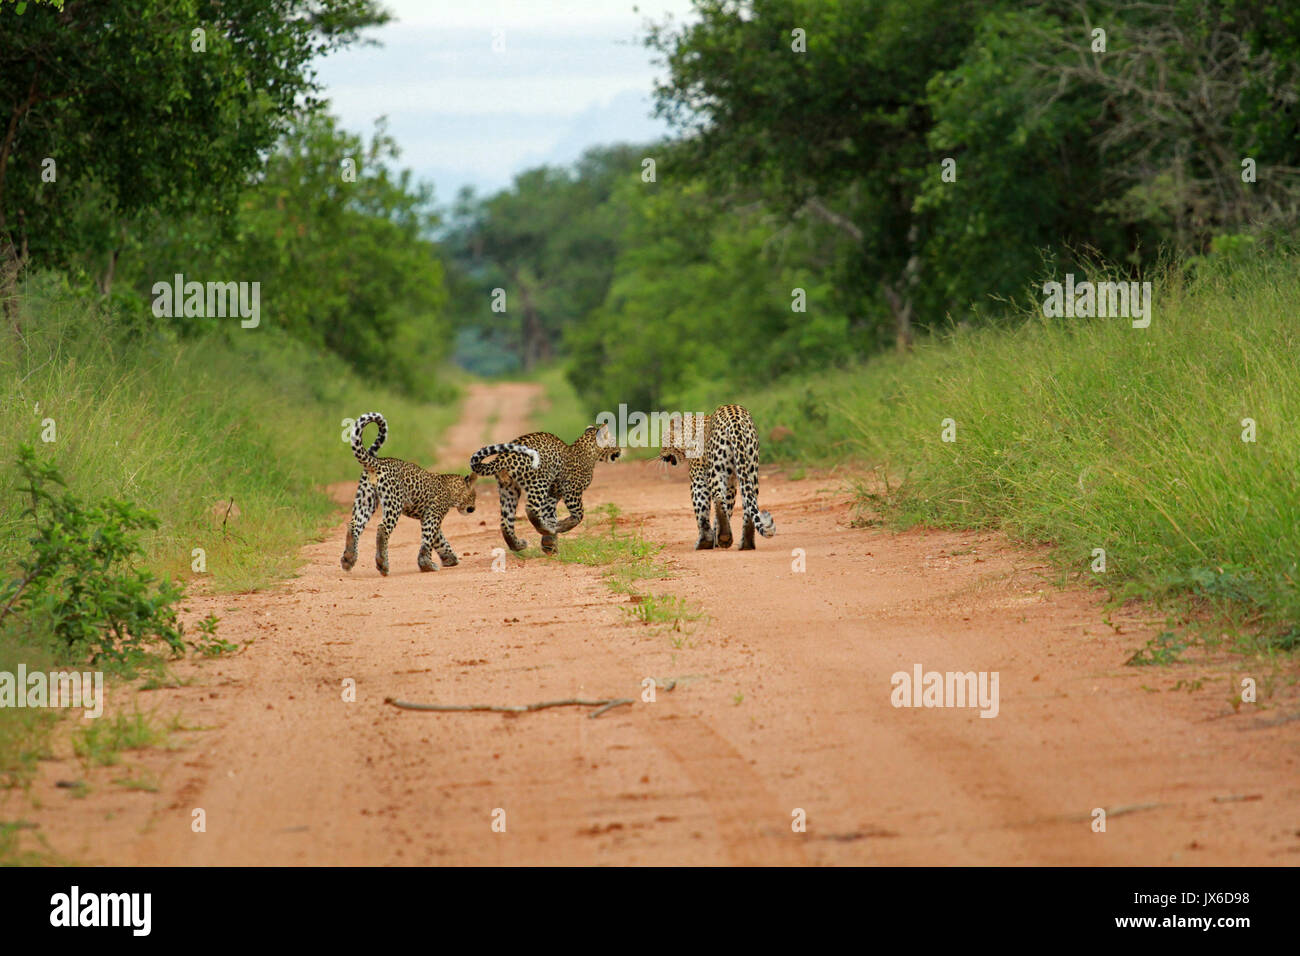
<point x="467" y="497"/>
<point x="682" y="438"/>
<point x="606" y="445"/>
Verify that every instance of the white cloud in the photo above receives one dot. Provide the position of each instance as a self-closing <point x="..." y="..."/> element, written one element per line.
<point x="488" y="15"/>
<point x="573" y="74"/>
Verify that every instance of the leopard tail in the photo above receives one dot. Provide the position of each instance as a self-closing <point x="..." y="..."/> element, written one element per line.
<point x="476" y="462"/>
<point x="363" y="454"/>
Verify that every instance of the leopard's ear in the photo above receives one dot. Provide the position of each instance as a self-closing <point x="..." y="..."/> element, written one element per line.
<point x="470" y="479"/>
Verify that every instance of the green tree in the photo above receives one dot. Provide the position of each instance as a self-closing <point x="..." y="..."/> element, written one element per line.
<point x="148" y="105"/>
<point x="705" y="292"/>
<point x="341" y="244"/>
<point x="838" y="131"/>
<point x="549" y="242"/>
<point x="1029" y="177"/>
<point x="1186" y="91"/>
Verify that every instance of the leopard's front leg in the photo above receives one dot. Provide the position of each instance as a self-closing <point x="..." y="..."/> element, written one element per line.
<point x="432" y="539"/>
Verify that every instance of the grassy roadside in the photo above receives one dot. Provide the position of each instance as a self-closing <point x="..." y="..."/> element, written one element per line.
<point x="1172" y="448"/>
<point x="187" y="428"/>
<point x="228" y="440"/>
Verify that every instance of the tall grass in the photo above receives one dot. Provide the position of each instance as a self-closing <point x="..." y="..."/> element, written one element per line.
<point x="183" y="428"/>
<point x="1088" y="433"/>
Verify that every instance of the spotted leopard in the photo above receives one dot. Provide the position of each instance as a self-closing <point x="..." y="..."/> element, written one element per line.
<point x="402" y="488"/>
<point x="723" y="451"/>
<point x="562" y="473"/>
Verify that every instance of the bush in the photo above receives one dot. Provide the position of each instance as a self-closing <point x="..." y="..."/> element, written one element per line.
<point x="78" y="580"/>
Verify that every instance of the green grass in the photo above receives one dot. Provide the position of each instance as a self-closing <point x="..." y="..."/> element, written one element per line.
<point x="183" y="428"/>
<point x="146" y="783"/>
<point x="627" y="559"/>
<point x="661" y="610"/>
<point x="25" y="731"/>
<point x="608" y="543"/>
<point x="14" y="853"/>
<point x="102" y="742"/>
<point x="1088" y="433"/>
<point x="1164" y="648"/>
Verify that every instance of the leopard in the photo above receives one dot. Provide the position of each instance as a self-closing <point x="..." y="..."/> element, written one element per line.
<point x="723" y="451"/>
<point x="402" y="488"/>
<point x="558" y="471"/>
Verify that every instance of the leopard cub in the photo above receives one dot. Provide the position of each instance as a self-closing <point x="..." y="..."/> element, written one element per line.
<point x="402" y="488"/>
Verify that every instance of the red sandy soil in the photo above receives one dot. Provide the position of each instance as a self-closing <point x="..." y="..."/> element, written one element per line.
<point x="782" y="702"/>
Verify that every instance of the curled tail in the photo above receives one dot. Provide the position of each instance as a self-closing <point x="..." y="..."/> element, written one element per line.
<point x="765" y="525"/>
<point x="363" y="454"/>
<point x="487" y="451"/>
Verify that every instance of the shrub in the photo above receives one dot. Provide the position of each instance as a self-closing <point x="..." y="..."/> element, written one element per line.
<point x="78" y="581"/>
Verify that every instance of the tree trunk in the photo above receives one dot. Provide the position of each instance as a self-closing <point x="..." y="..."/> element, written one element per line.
<point x="901" y="307"/>
<point x="6" y="146"/>
<point x="899" y="296"/>
<point x="106" y="280"/>
<point x="531" y="348"/>
<point x="12" y="263"/>
<point x="536" y="345"/>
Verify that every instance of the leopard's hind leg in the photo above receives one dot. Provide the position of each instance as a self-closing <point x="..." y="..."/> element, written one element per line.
<point x="509" y="493"/>
<point x="754" y="518"/>
<point x="724" y="503"/>
<point x="363" y="506"/>
<point x="386" y="526"/>
<point x="701" y="501"/>
<point x="541" y="512"/>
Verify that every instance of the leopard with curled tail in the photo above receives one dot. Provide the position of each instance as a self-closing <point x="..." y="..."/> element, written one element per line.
<point x="402" y="488"/>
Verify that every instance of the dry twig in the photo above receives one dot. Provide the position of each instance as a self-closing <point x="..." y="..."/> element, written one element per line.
<point x="604" y="705"/>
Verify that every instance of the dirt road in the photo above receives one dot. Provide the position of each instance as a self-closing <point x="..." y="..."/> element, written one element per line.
<point x="783" y="704"/>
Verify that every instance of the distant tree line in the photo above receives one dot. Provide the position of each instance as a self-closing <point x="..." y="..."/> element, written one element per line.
<point x="888" y="166"/>
<point x="844" y="175"/>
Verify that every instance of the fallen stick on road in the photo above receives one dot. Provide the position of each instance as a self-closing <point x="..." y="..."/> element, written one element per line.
<point x="604" y="705"/>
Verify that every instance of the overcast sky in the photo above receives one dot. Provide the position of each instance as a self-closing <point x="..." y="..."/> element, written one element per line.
<point x="573" y="74"/>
